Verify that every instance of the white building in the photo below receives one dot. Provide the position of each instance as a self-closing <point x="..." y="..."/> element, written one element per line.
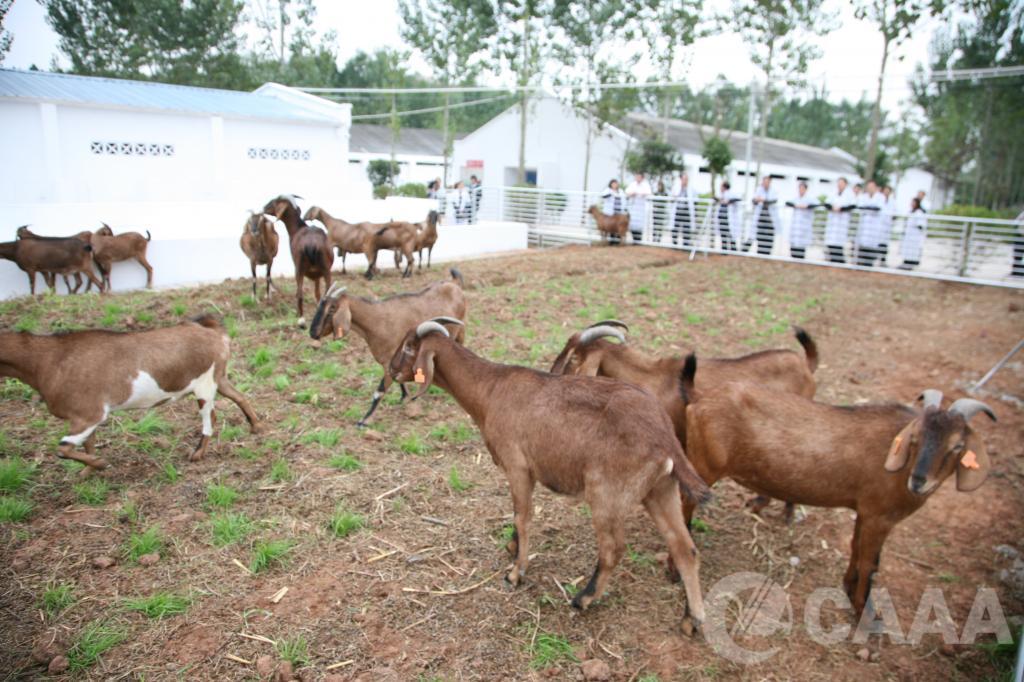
<point x="555" y="149"/>
<point x="419" y="152"/>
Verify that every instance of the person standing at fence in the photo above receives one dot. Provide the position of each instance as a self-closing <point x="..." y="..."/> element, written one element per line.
<point x="885" y="225"/>
<point x="684" y="210"/>
<point x="728" y="217"/>
<point x="800" y="226"/>
<point x="638" y="195"/>
<point x="461" y="203"/>
<point x="613" y="202"/>
<point x="913" y="236"/>
<point x="837" y="228"/>
<point x="476" y="192"/>
<point x="1018" y="247"/>
<point x="765" y="217"/>
<point x="660" y="212"/>
<point x="870" y="229"/>
<point x="920" y="200"/>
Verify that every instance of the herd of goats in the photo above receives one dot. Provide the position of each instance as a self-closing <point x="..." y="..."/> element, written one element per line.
<point x="608" y="423"/>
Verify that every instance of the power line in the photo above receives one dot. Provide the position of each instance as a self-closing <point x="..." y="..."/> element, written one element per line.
<point x="494" y="88"/>
<point x="978" y="74"/>
<point x="429" y="110"/>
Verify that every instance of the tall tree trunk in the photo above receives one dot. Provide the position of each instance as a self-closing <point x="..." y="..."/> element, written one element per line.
<point x="765" y="108"/>
<point x="523" y="81"/>
<point x="586" y="156"/>
<point x="394" y="139"/>
<point x="876" y="115"/>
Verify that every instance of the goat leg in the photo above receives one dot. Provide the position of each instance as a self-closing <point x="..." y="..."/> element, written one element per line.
<point x="521" y="483"/>
<point x="611" y="545"/>
<point x="300" y="276"/>
<point x="382" y="388"/>
<point x="91" y="462"/>
<point x="405" y="393"/>
<point x="268" y="281"/>
<point x="662" y="504"/>
<point x="149" y="270"/>
<point x="225" y="388"/>
<point x="206" y="410"/>
<point x="252" y="266"/>
<point x="872" y="537"/>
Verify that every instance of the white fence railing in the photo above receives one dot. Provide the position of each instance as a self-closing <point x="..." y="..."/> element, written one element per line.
<point x="964" y="249"/>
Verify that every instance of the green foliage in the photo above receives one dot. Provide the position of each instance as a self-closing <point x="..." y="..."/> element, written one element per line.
<point x="550" y="649"/>
<point x="413" y="444"/>
<point x="718" y="154"/>
<point x="345" y="462"/>
<point x="149" y="424"/>
<point x="12" y="389"/>
<point x="654" y="158"/>
<point x="220" y="495"/>
<point x="342" y="522"/>
<point x="295" y="650"/>
<point x="266" y="553"/>
<point x="455" y="481"/>
<point x="969" y="211"/>
<point x="280" y="471"/>
<point x="143" y="543"/>
<point x="325" y="438"/>
<point x="14" y="508"/>
<point x="230" y="432"/>
<point x="159" y="605"/>
<point x="93" y="641"/>
<point x="170" y="472"/>
<point x="382" y="172"/>
<point x="412" y="189"/>
<point x="92" y="491"/>
<point x="281" y="383"/>
<point x="57" y="596"/>
<point x="14" y="472"/>
<point x="228" y="527"/>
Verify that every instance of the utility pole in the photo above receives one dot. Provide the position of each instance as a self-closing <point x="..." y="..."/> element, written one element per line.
<point x="750" y="140"/>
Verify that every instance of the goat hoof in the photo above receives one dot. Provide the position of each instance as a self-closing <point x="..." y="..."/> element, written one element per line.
<point x="301" y="323"/>
<point x="512" y="582"/>
<point x="691" y="626"/>
<point x="578" y="603"/>
<point x="360" y="424"/>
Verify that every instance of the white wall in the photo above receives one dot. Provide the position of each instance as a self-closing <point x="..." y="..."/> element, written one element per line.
<point x="555" y="144"/>
<point x="413" y="168"/>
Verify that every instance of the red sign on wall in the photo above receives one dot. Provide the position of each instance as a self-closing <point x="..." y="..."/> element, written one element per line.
<point x="475" y="163"/>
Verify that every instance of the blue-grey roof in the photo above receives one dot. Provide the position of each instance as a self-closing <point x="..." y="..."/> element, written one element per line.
<point x="114" y="92"/>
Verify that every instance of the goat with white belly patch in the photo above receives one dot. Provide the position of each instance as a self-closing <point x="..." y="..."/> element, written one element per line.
<point x="84" y="376"/>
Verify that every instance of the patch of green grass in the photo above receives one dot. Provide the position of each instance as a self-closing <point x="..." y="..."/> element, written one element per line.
<point x="326" y="438"/>
<point x="179" y="309"/>
<point x="307" y="396"/>
<point x="699" y="526"/>
<point x="93" y="641"/>
<point x="265" y="553"/>
<point x="220" y="495"/>
<point x="353" y="412"/>
<point x="295" y="650"/>
<point x="247" y="453"/>
<point x="14" y="472"/>
<point x="13" y="509"/>
<point x="159" y="605"/>
<point x="146" y="542"/>
<point x="455" y="481"/>
<point x="228" y="527"/>
<point x="261" y="359"/>
<point x="128" y="513"/>
<point x="71" y="466"/>
<point x="280" y="471"/>
<point x="92" y="491"/>
<point x="459" y="433"/>
<point x="145" y="317"/>
<point x="693" y="318"/>
<point x="413" y="444"/>
<point x="948" y="577"/>
<point x="343" y="523"/>
<point x="27" y="323"/>
<point x="281" y="382"/>
<point x="12" y="389"/>
<point x="248" y="301"/>
<point x="642" y="559"/>
<point x="505" y="535"/>
<point x="230" y="432"/>
<point x="328" y="371"/>
<point x="648" y="677"/>
<point x="170" y="472"/>
<point x="57" y="596"/>
<point x="345" y="462"/>
<point x="550" y="649"/>
<point x="335" y="346"/>
<point x="149" y="424"/>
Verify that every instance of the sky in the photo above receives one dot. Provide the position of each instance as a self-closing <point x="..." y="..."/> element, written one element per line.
<point x="848" y="67"/>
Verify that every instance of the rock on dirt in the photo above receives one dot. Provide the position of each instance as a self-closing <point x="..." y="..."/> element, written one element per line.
<point x="45" y="648"/>
<point x="58" y="665"/>
<point x="102" y="562"/>
<point x="285" y="672"/>
<point x="149" y="559"/>
<point x="595" y="669"/>
<point x="864" y="654"/>
<point x="371" y="435"/>
<point x="264" y="667"/>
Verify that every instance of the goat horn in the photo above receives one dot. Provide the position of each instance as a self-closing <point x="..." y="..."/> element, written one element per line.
<point x="931" y="397"/>
<point x="430" y="326"/>
<point x="449" y="320"/>
<point x="335" y="291"/>
<point x="610" y="323"/>
<point x="591" y="333"/>
<point x="968" y="407"/>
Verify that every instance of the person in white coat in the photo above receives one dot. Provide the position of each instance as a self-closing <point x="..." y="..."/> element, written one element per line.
<point x="765" y="220"/>
<point x="461" y="202"/>
<point x="684" y="215"/>
<point x="613" y="202"/>
<point x="913" y="236"/>
<point x="800" y="226"/>
<point x="638" y="196"/>
<point x="728" y="215"/>
<point x="869" y="232"/>
<point x="837" y="228"/>
<point x="885" y="224"/>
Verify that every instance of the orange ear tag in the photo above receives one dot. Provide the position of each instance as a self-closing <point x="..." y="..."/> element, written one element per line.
<point x="340" y="332"/>
<point x="895" y="445"/>
<point x="970" y="460"/>
<point x="419" y="378"/>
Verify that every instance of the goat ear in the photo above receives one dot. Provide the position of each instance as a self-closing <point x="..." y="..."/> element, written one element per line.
<point x="899" y="451"/>
<point x="974" y="464"/>
<point x="423" y="371"/>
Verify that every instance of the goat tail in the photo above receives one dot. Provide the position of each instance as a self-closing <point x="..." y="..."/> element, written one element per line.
<point x="382" y="231"/>
<point x="311" y="254"/>
<point x="562" y="361"/>
<point x="87" y="247"/>
<point x="810" y="348"/>
<point x="149" y="237"/>
<point x="687" y="379"/>
<point x="208" y="320"/>
<point x="691" y="485"/>
<point x="457" y="276"/>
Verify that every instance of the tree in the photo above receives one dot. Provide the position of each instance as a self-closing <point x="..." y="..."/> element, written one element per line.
<point x="523" y="43"/>
<point x="718" y="155"/>
<point x="895" y="20"/>
<point x="669" y="29"/>
<point x="382" y="172"/>
<point x="775" y="32"/>
<point x="452" y="36"/>
<point x="654" y="158"/>
<point x="586" y="26"/>
<point x="272" y="19"/>
<point x="6" y="38"/>
<point x="150" y="39"/>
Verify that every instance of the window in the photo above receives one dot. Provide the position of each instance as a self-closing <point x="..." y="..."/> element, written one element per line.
<point x="277" y="154"/>
<point x="131" y="148"/>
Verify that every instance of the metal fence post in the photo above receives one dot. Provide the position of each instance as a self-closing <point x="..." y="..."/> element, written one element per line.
<point x="965" y="249"/>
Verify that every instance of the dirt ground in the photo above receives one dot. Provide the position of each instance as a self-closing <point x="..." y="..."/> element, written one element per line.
<point x="417" y="592"/>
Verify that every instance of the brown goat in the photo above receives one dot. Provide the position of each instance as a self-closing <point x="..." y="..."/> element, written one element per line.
<point x="85" y="235"/>
<point x="344" y="236"/>
<point x="426" y="237"/>
<point x="109" y="249"/>
<point x="603" y="440"/>
<point x="57" y="256"/>
<point x="85" y="376"/>
<point x="590" y="354"/>
<point x="882" y="461"/>
<point x="383" y="323"/>
<point x="399" y="236"/>
<point x="259" y="243"/>
<point x="311" y="253"/>
<point x="611" y="225"/>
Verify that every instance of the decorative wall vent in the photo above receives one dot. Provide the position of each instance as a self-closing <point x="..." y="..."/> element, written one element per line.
<point x="269" y="153"/>
<point x="132" y="148"/>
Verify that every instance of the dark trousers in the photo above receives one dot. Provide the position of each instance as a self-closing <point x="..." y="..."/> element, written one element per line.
<point x="1018" y="257"/>
<point x="835" y="254"/>
<point x="909" y="264"/>
<point x="867" y="255"/>
<point x="723" y="230"/>
<point x="765" y="233"/>
<point x="682" y="225"/>
<point x="637" y="235"/>
<point x="797" y="252"/>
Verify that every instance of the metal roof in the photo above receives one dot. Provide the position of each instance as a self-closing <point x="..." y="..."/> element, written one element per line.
<point x="685" y="137"/>
<point x="376" y="139"/>
<point x="128" y="94"/>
